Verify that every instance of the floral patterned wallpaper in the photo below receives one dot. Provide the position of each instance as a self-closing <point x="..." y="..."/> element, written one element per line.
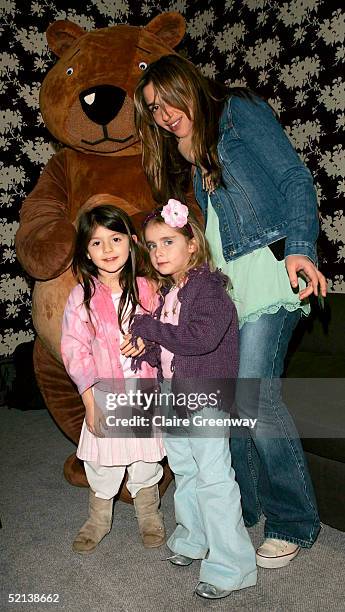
<point x="291" y="52"/>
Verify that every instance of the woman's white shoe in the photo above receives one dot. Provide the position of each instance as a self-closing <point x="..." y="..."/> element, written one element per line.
<point x="274" y="553"/>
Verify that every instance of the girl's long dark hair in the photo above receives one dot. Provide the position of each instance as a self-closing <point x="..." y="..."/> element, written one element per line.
<point x="180" y="84"/>
<point x="116" y="220"/>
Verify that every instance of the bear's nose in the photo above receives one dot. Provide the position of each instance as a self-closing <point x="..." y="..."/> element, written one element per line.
<point x="102" y="103"/>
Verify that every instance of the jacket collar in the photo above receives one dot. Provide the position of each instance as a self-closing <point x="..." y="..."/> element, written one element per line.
<point x="192" y="273"/>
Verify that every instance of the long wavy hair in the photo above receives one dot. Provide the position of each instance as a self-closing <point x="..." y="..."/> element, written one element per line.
<point x="177" y="82"/>
<point x="116" y="220"/>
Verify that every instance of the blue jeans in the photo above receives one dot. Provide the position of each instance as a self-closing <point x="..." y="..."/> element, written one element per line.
<point x="208" y="510"/>
<point x="269" y="461"/>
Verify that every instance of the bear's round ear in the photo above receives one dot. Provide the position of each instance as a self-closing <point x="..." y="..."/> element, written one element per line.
<point x="169" y="27"/>
<point x="61" y="35"/>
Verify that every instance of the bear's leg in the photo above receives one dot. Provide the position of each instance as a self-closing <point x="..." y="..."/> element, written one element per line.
<point x="64" y="404"/>
<point x="66" y="407"/>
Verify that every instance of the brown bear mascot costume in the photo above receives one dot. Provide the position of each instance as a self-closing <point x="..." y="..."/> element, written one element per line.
<point x="86" y="101"/>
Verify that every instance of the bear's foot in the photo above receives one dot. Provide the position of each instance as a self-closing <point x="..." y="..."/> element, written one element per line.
<point x="74" y="472"/>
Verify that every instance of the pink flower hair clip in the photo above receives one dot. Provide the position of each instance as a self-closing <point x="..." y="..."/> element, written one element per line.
<point x="175" y="213"/>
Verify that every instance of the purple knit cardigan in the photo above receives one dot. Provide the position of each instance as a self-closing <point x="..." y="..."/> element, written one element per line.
<point x="205" y="341"/>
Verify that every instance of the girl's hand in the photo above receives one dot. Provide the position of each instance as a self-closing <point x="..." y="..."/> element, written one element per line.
<point x="303" y="266"/>
<point x="95" y="420"/>
<point x="128" y="349"/>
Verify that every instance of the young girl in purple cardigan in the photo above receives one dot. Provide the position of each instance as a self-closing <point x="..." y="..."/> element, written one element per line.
<point x="196" y="328"/>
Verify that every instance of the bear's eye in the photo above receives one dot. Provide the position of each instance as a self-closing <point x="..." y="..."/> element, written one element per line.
<point x="143" y="65"/>
<point x="69" y="71"/>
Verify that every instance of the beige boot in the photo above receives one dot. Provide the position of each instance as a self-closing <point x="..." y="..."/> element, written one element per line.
<point x="150" y="518"/>
<point x="97" y="525"/>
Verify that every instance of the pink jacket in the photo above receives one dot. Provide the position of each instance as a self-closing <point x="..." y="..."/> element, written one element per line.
<point x="91" y="354"/>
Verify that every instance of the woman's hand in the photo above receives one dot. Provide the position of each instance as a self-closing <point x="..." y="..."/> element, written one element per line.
<point x="128" y="349"/>
<point x="303" y="266"/>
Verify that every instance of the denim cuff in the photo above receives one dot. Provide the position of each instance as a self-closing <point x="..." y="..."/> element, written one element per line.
<point x="301" y="248"/>
<point x="298" y="541"/>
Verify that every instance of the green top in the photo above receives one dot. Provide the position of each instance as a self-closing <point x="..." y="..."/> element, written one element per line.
<point x="260" y="283"/>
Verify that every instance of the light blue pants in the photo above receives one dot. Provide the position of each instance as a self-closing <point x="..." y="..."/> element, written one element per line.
<point x="208" y="511"/>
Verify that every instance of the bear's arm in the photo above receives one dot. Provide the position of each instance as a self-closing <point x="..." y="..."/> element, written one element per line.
<point x="46" y="237"/>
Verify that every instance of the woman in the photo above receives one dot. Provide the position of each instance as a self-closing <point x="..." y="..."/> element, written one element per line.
<point x="261" y="217"/>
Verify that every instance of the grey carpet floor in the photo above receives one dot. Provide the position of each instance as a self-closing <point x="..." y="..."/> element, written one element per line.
<point x="41" y="513"/>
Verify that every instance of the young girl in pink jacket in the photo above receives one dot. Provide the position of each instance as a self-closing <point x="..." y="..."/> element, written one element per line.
<point x="95" y="324"/>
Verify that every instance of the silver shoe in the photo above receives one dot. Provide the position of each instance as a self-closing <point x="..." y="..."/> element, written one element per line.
<point x="181" y="560"/>
<point x="209" y="591"/>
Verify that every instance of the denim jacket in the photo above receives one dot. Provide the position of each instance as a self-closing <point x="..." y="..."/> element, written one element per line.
<point x="268" y="193"/>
